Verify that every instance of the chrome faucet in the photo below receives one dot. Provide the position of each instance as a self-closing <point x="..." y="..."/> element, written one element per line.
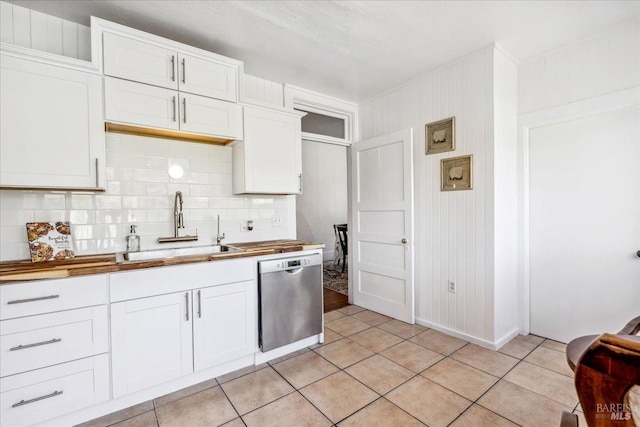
<point x="178" y="222"/>
<point x="219" y="237"/>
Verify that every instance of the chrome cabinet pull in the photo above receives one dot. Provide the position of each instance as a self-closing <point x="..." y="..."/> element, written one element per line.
<point x="20" y="301"/>
<point x="173" y="101"/>
<point x="184" y="109"/>
<point x="35" y="399"/>
<point x="22" y="347"/>
<point x="300" y="183"/>
<point x="173" y="68"/>
<point x="184" y="72"/>
<point x="186" y="298"/>
<point x="97" y="172"/>
<point x="199" y="304"/>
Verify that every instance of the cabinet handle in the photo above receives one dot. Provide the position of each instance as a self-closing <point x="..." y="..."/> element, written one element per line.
<point x="184" y="109"/>
<point x="173" y="68"/>
<point x="173" y="101"/>
<point x="20" y="301"/>
<point x="199" y="305"/>
<point x="97" y="172"/>
<point x="186" y="298"/>
<point x="184" y="72"/>
<point x="300" y="183"/>
<point x="22" y="347"/>
<point x="35" y="399"/>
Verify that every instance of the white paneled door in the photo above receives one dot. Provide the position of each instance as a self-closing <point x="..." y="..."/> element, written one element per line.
<point x="584" y="209"/>
<point x="382" y="225"/>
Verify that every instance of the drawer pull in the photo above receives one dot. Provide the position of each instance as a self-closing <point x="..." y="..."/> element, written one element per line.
<point x="35" y="399"/>
<point x="22" y="347"/>
<point x="20" y="301"/>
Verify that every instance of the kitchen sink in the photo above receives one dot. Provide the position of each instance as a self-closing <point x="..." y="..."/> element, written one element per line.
<point x="176" y="252"/>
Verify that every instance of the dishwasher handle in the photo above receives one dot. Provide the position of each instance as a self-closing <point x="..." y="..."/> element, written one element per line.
<point x="293" y="270"/>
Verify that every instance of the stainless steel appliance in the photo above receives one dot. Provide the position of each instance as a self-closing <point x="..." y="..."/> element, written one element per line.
<point x="290" y="295"/>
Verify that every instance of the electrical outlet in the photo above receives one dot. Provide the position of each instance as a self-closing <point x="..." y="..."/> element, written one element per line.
<point x="276" y="221"/>
<point x="452" y="286"/>
<point x="246" y="226"/>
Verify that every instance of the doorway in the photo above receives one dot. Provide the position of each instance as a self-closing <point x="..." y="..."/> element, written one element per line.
<point x="323" y="204"/>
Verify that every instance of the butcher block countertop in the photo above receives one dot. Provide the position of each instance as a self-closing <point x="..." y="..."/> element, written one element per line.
<point x="21" y="271"/>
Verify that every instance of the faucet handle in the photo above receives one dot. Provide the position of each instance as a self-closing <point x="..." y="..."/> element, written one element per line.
<point x="180" y="220"/>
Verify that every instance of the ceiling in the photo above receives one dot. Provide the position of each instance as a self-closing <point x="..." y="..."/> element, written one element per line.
<point x="353" y="50"/>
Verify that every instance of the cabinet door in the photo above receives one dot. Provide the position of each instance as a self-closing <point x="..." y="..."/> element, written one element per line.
<point x="207" y="78"/>
<point x="139" y="61"/>
<point x="210" y="116"/>
<point x="151" y="341"/>
<point x="224" y="324"/>
<point x="139" y="104"/>
<point x="52" y="128"/>
<point x="272" y="152"/>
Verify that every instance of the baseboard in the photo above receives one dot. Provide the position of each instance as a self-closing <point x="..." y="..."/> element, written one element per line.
<point x="472" y="339"/>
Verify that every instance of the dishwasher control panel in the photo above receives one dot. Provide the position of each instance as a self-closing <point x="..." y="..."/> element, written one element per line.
<point x="289" y="263"/>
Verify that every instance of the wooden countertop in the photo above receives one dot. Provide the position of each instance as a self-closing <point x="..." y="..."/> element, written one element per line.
<point x="21" y="271"/>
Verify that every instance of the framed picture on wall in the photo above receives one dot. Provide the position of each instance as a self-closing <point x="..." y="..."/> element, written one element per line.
<point x="440" y="136"/>
<point x="457" y="173"/>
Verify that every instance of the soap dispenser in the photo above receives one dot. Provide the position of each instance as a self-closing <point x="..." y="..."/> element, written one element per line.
<point x="133" y="241"/>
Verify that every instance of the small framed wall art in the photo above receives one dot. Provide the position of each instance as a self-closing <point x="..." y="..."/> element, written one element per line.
<point x="456" y="173"/>
<point x="440" y="136"/>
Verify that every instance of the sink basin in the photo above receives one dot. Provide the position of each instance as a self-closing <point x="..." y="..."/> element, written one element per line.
<point x="176" y="252"/>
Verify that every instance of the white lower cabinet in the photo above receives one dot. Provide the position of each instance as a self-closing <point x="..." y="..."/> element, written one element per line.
<point x="224" y="324"/>
<point x="151" y="341"/>
<point x="42" y="394"/>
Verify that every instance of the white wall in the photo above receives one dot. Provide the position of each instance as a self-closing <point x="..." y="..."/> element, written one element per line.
<point x="454" y="230"/>
<point x="139" y="191"/>
<point x="324" y="200"/>
<point x="606" y="62"/>
<point x="35" y="30"/>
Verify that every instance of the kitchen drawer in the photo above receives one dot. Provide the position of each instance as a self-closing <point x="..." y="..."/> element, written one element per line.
<point x="48" y="339"/>
<point x="164" y="280"/>
<point x="47" y="296"/>
<point x="42" y="394"/>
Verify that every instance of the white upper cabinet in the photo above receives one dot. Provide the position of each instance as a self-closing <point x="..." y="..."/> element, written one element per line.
<point x="139" y="61"/>
<point x="157" y="65"/>
<point x="52" y="133"/>
<point x="269" y="160"/>
<point x="199" y="114"/>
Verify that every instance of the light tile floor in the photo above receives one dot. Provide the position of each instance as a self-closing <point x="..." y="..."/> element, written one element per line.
<point x="373" y="370"/>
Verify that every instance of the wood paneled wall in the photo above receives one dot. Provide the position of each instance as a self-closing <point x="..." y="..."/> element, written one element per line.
<point x="606" y="62"/>
<point x="35" y="30"/>
<point x="264" y="92"/>
<point x="453" y="230"/>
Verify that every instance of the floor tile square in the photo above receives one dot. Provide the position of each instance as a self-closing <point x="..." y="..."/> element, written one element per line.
<point x="234" y="423"/>
<point x="517" y="348"/>
<point x="350" y="309"/>
<point x="347" y="325"/>
<point x="522" y="406"/>
<point x="207" y="408"/>
<point x="375" y="339"/>
<point x="554" y="345"/>
<point x="240" y="372"/>
<point x="550" y="359"/>
<point x="547" y="383"/>
<point x="329" y="337"/>
<point x="381" y="413"/>
<point x="439" y="342"/>
<point x="188" y="391"/>
<point x="379" y="373"/>
<point x="289" y="356"/>
<point x="489" y="361"/>
<point x="460" y="378"/>
<point x="148" y="419"/>
<point x="333" y="315"/>
<point x="292" y="410"/>
<point x="118" y="416"/>
<point x="533" y="339"/>
<point x="412" y="356"/>
<point x="427" y="401"/>
<point x="256" y="389"/>
<point x="477" y="416"/>
<point x="338" y="396"/>
<point x="402" y="329"/>
<point x="343" y="353"/>
<point x="371" y="317"/>
<point x="304" y="369"/>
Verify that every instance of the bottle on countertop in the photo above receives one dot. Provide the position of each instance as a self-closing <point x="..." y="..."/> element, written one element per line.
<point x="133" y="241"/>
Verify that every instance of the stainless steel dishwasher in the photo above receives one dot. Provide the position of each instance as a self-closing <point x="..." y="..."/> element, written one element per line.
<point x="290" y="295"/>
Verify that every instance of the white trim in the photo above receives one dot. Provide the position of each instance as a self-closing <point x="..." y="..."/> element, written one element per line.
<point x="289" y="348"/>
<point x="628" y="98"/>
<point x="48" y="58"/>
<point x="475" y="340"/>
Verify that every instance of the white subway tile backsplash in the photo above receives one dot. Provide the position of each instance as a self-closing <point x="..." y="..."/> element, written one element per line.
<point x="139" y="191"/>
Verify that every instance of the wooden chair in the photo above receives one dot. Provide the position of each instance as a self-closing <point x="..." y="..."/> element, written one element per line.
<point x="605" y="371"/>
<point x="341" y="231"/>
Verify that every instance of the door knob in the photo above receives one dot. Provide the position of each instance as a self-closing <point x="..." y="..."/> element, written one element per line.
<point x="638" y="253"/>
<point x="404" y="241"/>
